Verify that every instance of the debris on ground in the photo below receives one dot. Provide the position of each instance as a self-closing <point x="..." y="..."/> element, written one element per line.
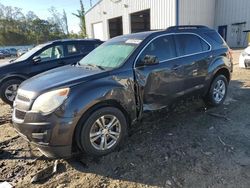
<point x="45" y="173"/>
<point x="219" y="116"/>
<point x="5" y="119"/>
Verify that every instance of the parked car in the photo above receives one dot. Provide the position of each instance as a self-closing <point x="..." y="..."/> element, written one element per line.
<point x="13" y="52"/>
<point x="89" y="106"/>
<point x="22" y="51"/>
<point x="2" y="55"/>
<point x="5" y="53"/>
<point x="244" y="60"/>
<point x="41" y="58"/>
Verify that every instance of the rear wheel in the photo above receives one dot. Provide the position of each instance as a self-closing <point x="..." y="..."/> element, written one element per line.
<point x="218" y="91"/>
<point x="8" y="90"/>
<point x="103" y="131"/>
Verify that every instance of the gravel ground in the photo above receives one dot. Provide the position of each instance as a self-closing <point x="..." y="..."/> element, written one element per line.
<point x="189" y="147"/>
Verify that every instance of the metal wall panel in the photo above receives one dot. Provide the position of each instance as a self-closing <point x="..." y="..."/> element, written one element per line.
<point x="197" y="12"/>
<point x="162" y="14"/>
<point x="232" y="13"/>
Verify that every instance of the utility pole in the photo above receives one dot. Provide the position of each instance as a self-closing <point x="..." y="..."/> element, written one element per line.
<point x="90" y="1"/>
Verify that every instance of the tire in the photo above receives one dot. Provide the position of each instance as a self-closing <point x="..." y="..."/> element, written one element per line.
<point x="91" y="127"/>
<point x="14" y="83"/>
<point x="217" y="92"/>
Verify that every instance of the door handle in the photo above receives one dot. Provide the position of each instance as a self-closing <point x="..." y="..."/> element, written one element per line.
<point x="176" y="67"/>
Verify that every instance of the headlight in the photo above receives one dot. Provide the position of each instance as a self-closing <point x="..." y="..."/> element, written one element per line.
<point x="50" y="101"/>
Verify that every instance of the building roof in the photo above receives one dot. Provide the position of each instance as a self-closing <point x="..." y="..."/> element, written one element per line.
<point x="93" y="6"/>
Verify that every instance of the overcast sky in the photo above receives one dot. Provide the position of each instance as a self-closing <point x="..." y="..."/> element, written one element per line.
<point x="40" y="8"/>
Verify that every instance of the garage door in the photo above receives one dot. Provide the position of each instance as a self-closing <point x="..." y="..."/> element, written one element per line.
<point x="140" y="21"/>
<point x="98" y="31"/>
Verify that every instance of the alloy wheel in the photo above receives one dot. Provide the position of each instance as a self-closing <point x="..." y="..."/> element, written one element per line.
<point x="219" y="91"/>
<point x="11" y="92"/>
<point x="105" y="132"/>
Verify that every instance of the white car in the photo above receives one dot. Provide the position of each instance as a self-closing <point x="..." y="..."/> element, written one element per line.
<point x="244" y="61"/>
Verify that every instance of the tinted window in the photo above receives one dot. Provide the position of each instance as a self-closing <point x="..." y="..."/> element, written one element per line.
<point x="72" y="49"/>
<point x="85" y="48"/>
<point x="51" y="53"/>
<point x="190" y="44"/>
<point x="163" y="48"/>
<point x="215" y="37"/>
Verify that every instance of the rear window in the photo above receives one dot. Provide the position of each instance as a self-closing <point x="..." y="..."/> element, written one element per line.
<point x="215" y="37"/>
<point x="190" y="44"/>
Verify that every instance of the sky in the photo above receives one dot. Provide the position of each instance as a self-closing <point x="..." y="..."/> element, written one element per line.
<point x="40" y="8"/>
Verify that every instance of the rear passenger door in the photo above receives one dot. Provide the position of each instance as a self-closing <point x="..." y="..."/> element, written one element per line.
<point x="193" y="54"/>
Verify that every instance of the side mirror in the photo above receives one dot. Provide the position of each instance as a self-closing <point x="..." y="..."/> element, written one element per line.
<point x="150" y="60"/>
<point x="37" y="59"/>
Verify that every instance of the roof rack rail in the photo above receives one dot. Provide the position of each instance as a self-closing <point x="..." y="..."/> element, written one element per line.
<point x="187" y="27"/>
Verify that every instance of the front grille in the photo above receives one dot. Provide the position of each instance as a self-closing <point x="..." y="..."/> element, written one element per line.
<point x="20" y="114"/>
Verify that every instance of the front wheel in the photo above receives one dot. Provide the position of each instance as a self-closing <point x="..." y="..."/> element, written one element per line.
<point x="218" y="91"/>
<point x="8" y="90"/>
<point x="103" y="131"/>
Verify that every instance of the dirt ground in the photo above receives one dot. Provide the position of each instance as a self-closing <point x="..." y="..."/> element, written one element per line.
<point x="190" y="147"/>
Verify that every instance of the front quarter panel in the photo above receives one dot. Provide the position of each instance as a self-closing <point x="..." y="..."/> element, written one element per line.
<point x="118" y="87"/>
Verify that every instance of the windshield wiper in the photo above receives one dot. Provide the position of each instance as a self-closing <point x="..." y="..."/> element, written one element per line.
<point x="96" y="66"/>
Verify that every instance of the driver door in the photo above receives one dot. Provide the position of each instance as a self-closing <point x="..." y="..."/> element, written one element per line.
<point x="47" y="59"/>
<point x="159" y="84"/>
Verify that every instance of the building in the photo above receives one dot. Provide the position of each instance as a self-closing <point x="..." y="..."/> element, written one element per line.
<point x="110" y="18"/>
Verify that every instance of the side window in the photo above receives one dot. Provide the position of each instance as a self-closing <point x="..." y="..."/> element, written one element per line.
<point x="54" y="52"/>
<point x="163" y="48"/>
<point x="189" y="44"/>
<point x="72" y="49"/>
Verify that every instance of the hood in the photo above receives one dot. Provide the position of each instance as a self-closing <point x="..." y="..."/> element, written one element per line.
<point x="9" y="67"/>
<point x="65" y="76"/>
<point x="8" y="64"/>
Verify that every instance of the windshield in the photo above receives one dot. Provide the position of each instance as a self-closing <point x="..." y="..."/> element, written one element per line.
<point x="109" y="55"/>
<point x="29" y="53"/>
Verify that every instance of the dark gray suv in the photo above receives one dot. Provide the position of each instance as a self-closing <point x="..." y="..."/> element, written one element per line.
<point x="88" y="107"/>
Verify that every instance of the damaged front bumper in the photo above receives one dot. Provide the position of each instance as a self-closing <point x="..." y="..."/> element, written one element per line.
<point x="48" y="133"/>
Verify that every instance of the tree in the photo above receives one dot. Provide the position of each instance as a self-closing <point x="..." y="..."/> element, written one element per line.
<point x="81" y="15"/>
<point x="19" y="29"/>
<point x="60" y="19"/>
<point x="65" y="22"/>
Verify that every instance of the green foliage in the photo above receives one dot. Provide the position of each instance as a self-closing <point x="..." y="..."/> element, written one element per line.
<point x="81" y="15"/>
<point x="19" y="29"/>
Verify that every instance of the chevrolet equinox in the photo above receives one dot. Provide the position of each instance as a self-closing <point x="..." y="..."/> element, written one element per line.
<point x="88" y="107"/>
